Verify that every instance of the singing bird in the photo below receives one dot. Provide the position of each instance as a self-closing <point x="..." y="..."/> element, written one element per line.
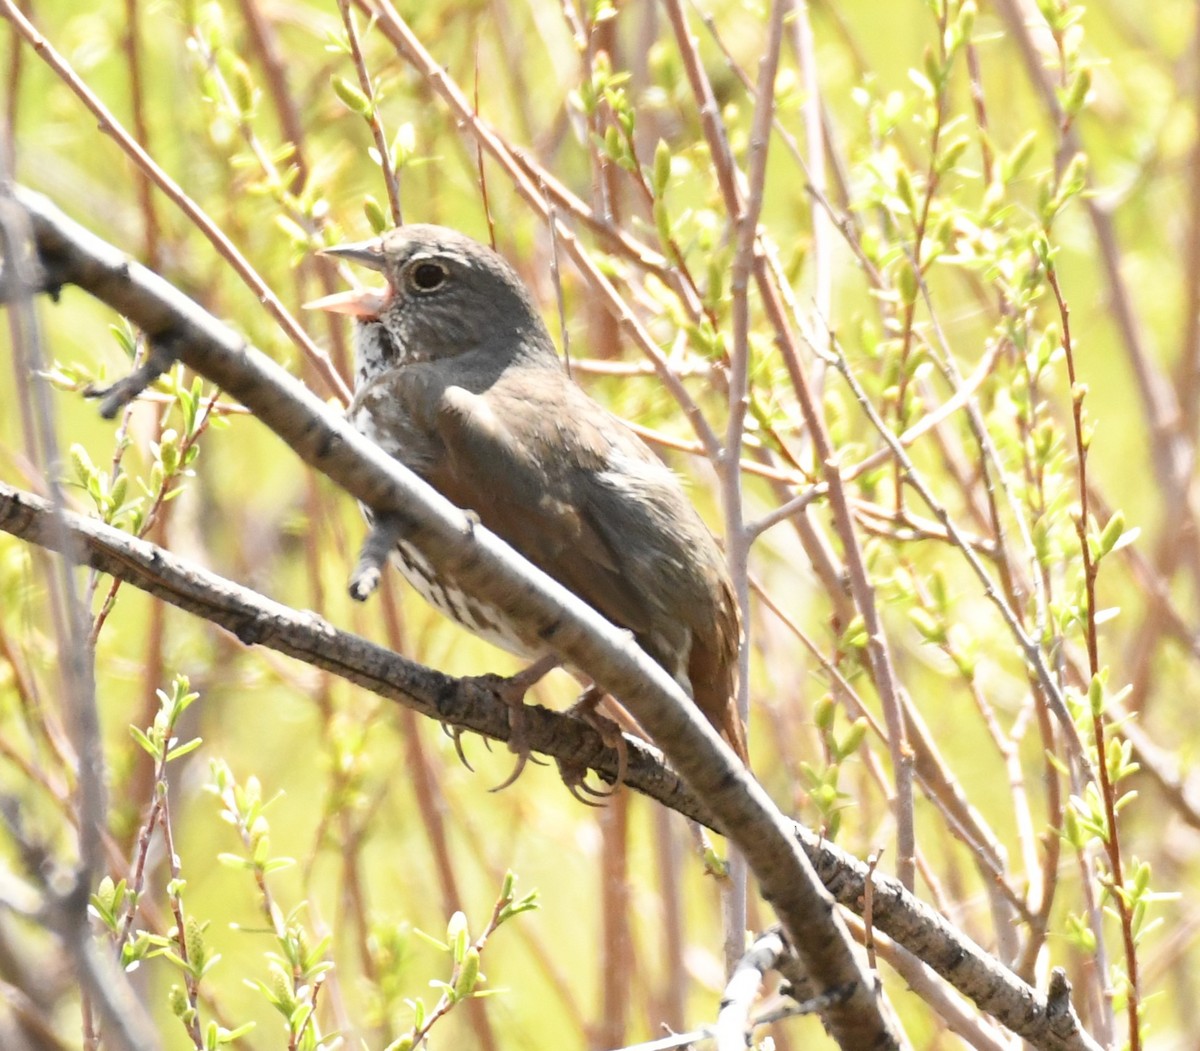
<point x="458" y="379"/>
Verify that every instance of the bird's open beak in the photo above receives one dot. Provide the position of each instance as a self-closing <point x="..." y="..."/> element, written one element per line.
<point x="358" y="302"/>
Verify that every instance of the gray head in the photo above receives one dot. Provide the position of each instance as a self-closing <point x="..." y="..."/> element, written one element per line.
<point x="446" y="296"/>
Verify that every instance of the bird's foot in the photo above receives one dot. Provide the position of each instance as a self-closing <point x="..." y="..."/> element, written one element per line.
<point x="610" y="733"/>
<point x="511" y="689"/>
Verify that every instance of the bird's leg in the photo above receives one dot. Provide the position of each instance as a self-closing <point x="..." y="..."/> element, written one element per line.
<point x="373" y="556"/>
<point x="115" y="397"/>
<point x="610" y="733"/>
<point x="511" y="689"/>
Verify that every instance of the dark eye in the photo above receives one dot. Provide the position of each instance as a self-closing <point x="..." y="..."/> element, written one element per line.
<point x="427" y="276"/>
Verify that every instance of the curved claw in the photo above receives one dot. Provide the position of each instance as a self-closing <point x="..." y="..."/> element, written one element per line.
<point x="576" y="787"/>
<point x="456" y="737"/>
<point x="622" y="760"/>
<point x="522" y="760"/>
<point x="575" y="781"/>
<point x="597" y="793"/>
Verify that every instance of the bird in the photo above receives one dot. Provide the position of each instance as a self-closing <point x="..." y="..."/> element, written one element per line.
<point x="457" y="378"/>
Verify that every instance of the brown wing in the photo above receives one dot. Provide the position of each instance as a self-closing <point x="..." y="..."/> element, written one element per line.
<point x="519" y="479"/>
<point x="582" y="498"/>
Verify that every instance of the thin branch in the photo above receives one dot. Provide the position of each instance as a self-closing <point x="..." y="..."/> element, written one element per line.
<point x="1168" y="450"/>
<point x="737" y="537"/>
<point x="127" y="1026"/>
<point x="878" y="651"/>
<point x="804" y="45"/>
<point x="708" y="109"/>
<point x="391" y="178"/>
<point x="265" y="43"/>
<point x="141" y="130"/>
<point x="1108" y="792"/>
<point x="1029" y="646"/>
<point x="68" y="614"/>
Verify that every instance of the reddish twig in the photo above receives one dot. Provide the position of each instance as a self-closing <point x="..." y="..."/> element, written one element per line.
<point x="1112" y="841"/>
<point x="391" y="178"/>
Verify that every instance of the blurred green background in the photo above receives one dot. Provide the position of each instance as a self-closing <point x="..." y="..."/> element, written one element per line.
<point x="390" y="833"/>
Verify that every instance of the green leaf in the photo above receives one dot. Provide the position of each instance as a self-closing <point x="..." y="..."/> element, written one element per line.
<point x="662" y="168"/>
<point x="184" y="749"/>
<point x="458" y="935"/>
<point x="351" y="95"/>
<point x="148" y="745"/>
<point x="468" y="974"/>
<point x="376" y="216"/>
<point x="1076" y="96"/>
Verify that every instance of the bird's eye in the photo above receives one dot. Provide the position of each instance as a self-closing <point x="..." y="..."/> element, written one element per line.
<point x="427" y="276"/>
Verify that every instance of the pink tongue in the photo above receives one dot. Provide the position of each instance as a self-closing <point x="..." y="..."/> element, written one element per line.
<point x="360" y="302"/>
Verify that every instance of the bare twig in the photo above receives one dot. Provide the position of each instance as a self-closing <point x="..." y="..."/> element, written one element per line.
<point x="68" y="615"/>
<point x="133" y="55"/>
<point x="266" y="45"/>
